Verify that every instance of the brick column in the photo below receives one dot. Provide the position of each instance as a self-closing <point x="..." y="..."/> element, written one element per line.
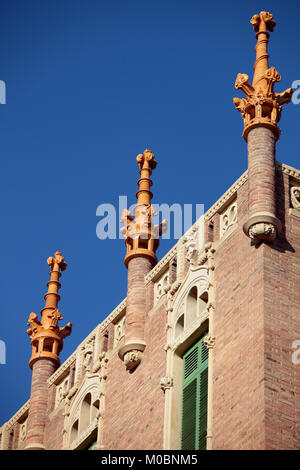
<point x="136" y="304"/>
<point x="261" y="111"/>
<point x="46" y="342"/>
<point x="262" y="222"/>
<point x="41" y="371"/>
<point x="142" y="240"/>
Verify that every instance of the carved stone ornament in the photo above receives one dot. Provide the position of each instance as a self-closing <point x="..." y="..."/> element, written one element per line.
<point x="262" y="230"/>
<point x="192" y="245"/>
<point x="88" y="356"/>
<point x="23" y="431"/>
<point x="209" y="342"/>
<point x="262" y="106"/>
<point x="132" y="359"/>
<point x="161" y="287"/>
<point x="228" y="218"/>
<point x="166" y="383"/>
<point x="295" y="197"/>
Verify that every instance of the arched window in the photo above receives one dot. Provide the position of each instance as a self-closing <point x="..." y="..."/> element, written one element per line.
<point x="203" y="299"/>
<point x="74" y="431"/>
<point x="179" y="328"/>
<point x="95" y="409"/>
<point x="191" y="305"/>
<point x="85" y="413"/>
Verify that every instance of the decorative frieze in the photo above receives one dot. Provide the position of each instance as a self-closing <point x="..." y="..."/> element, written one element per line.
<point x="23" y="432"/>
<point x="61" y="391"/>
<point x="161" y="287"/>
<point x="288" y="170"/>
<point x="295" y="197"/>
<point x="119" y="332"/>
<point x="88" y="356"/>
<point x="228" y="218"/>
<point x="223" y="200"/>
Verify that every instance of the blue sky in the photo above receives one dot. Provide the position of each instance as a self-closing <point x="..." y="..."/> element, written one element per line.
<point x="90" y="84"/>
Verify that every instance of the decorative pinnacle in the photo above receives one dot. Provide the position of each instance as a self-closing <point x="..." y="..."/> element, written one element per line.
<point x="262" y="106"/>
<point x="141" y="235"/>
<point x="46" y="336"/>
<point x="57" y="263"/>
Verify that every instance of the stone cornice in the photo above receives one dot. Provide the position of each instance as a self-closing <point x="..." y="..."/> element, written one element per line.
<point x="288" y="170"/>
<point x="215" y="208"/>
<point x="159" y="267"/>
<point x="223" y="200"/>
<point x="101" y="327"/>
<point x="17" y="415"/>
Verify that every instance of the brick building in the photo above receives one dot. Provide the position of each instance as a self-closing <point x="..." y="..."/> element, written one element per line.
<point x="200" y="353"/>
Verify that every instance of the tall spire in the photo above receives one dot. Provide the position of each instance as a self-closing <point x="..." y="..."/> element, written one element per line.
<point x="141" y="236"/>
<point x="142" y="240"/>
<point x="262" y="106"/>
<point x="46" y="336"/>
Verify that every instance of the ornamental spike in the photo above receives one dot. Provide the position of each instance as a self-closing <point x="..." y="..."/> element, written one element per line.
<point x="262" y="106"/>
<point x="46" y="336"/>
<point x="141" y="235"/>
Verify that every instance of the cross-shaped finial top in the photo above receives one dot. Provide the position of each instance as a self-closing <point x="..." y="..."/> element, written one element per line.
<point x="57" y="263"/>
<point x="147" y="156"/>
<point x="263" y="21"/>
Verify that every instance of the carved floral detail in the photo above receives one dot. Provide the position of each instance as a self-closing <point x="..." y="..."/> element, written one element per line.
<point x="161" y="287"/>
<point x="209" y="342"/>
<point x="88" y="356"/>
<point x="132" y="359"/>
<point x="260" y="230"/>
<point x="119" y="331"/>
<point x="295" y="197"/>
<point x="228" y="218"/>
<point x="23" y="431"/>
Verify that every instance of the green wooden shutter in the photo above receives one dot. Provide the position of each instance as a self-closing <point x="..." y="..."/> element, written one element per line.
<point x="194" y="398"/>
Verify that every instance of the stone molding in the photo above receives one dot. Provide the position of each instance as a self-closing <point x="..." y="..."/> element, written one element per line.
<point x="218" y="206"/>
<point x="288" y="170"/>
<point x="19" y="414"/>
<point x="160" y="266"/>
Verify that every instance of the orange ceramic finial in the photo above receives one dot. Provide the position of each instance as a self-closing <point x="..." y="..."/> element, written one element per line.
<point x="262" y="106"/>
<point x="141" y="236"/>
<point x="46" y="336"/>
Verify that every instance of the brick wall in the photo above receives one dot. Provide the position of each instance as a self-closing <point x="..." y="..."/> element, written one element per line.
<point x="256" y="385"/>
<point x="134" y="404"/>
